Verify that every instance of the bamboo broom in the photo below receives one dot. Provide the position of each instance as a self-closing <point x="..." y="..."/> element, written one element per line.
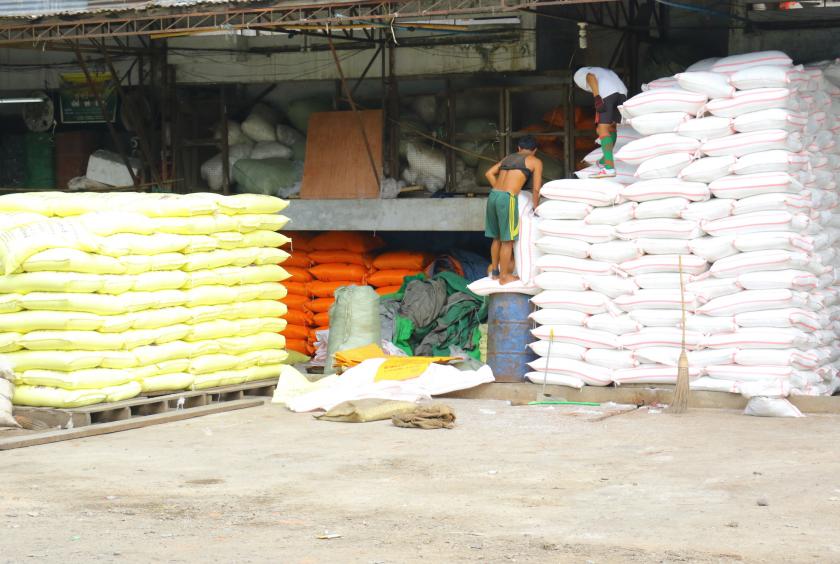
<point x="681" y="391"/>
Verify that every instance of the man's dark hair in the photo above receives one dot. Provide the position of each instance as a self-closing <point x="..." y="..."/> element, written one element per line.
<point x="528" y="143"/>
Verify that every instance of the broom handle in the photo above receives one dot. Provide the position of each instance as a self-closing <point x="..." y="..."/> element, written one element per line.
<point x="682" y="299"/>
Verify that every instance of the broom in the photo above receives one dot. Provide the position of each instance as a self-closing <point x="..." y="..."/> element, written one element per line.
<point x="680" y="402"/>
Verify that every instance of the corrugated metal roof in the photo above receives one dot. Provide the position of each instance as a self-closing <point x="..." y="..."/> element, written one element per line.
<point x="42" y="8"/>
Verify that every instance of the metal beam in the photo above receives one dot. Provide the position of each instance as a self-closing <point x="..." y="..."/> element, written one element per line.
<point x="227" y="18"/>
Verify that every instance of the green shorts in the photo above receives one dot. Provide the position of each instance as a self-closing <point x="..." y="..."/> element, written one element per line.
<point x="502" y="219"/>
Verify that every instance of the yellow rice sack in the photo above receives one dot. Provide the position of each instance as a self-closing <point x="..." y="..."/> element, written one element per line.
<point x="198" y="225"/>
<point x="29" y="202"/>
<point x="26" y="321"/>
<point x="264" y="238"/>
<point x="264" y="273"/>
<point x="137" y="264"/>
<point x="254" y="325"/>
<point x="211" y="380"/>
<point x="264" y="357"/>
<point x="167" y="382"/>
<point x="203" y="314"/>
<point x="89" y="303"/>
<point x="113" y="284"/>
<point x="201" y="243"/>
<point x="259" y="308"/>
<point x="49" y="282"/>
<point x="10" y="342"/>
<point x="116" y="323"/>
<point x="119" y="359"/>
<point x="71" y="341"/>
<point x="163" y="280"/>
<point x="10" y="220"/>
<point x="157" y="318"/>
<point x="210" y="295"/>
<point x="259" y="221"/>
<point x="92" y="378"/>
<point x="176" y="205"/>
<point x="72" y="260"/>
<point x="267" y="372"/>
<point x="257" y="341"/>
<point x="20" y="243"/>
<point x="212" y="330"/>
<point x="251" y="203"/>
<point x="123" y="244"/>
<point x="270" y="256"/>
<point x="262" y="291"/>
<point x="142" y="337"/>
<point x="229" y="239"/>
<point x="123" y="392"/>
<point x="225" y="276"/>
<point x="203" y="348"/>
<point x="42" y="396"/>
<point x="66" y="361"/>
<point x="155" y="354"/>
<point x="214" y="363"/>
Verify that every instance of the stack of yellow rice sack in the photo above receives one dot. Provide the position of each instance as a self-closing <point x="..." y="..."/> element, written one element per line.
<point x="106" y="296"/>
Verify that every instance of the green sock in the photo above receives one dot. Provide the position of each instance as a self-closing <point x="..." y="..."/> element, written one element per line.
<point x="607" y="145"/>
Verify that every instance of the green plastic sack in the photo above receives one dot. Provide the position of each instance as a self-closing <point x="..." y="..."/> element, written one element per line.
<point x="40" y="160"/>
<point x="299" y="111"/>
<point x="354" y="321"/>
<point x="266" y="176"/>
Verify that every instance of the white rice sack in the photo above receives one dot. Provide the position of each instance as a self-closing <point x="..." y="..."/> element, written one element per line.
<point x="664" y="208"/>
<point x="756" y="222"/>
<point x="611" y="359"/>
<point x="753" y="300"/>
<point x="777" y="160"/>
<point x="788" y="317"/>
<point x="774" y="118"/>
<point x="801" y="360"/>
<point x="665" y="122"/>
<point x="577" y="230"/>
<point x="664" y="166"/>
<point x="791" y="279"/>
<point x="709" y="289"/>
<point x="563" y="246"/>
<point x="637" y="152"/>
<point x="660" y="337"/>
<point x="555" y="379"/>
<point x="656" y="299"/>
<point x="706" y="384"/>
<point x="615" y="251"/>
<point x="580" y="336"/>
<point x="260" y="123"/>
<point x="553" y="316"/>
<point x="657" y="317"/>
<point x="761" y="338"/>
<point x="235" y="134"/>
<point x="707" y="169"/>
<point x="707" y="128"/>
<point x="712" y="84"/>
<point x="611" y="286"/>
<point x="735" y="63"/>
<point x="764" y="241"/>
<point x="713" y="248"/>
<point x="670" y="356"/>
<point x="738" y="186"/>
<point x="597" y="192"/>
<point x="525" y="251"/>
<point x="558" y="350"/>
<point x="776" y="406"/>
<point x="590" y="374"/>
<point x="703" y="65"/>
<point x="755" y="261"/>
<point x="288" y="135"/>
<point x="561" y="281"/>
<point x="585" y="302"/>
<point x="270" y="150"/>
<point x="776" y="201"/>
<point x="612" y="215"/>
<point x="212" y="171"/>
<point x="646" y="190"/>
<point x="742" y="144"/>
<point x="747" y="101"/>
<point x="709" y="324"/>
<point x="751" y="374"/>
<point x="664" y="100"/>
<point x="716" y="208"/>
<point x="767" y="77"/>
<point x="664" y="246"/>
<point x="558" y="209"/>
<point x="615" y="324"/>
<point x="659" y="228"/>
<point x="572" y="265"/>
<point x="651" y="374"/>
<point x="664" y="82"/>
<point x="649" y="264"/>
<point x="660" y="280"/>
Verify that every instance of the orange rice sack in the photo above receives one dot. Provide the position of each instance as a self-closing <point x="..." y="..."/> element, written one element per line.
<point x="298" y="345"/>
<point x="407" y="260"/>
<point x="295" y="301"/>
<point x="321" y="289"/>
<point x="395" y="277"/>
<point x="322" y="319"/>
<point x="385" y="290"/>
<point x="298" y="259"/>
<point x="337" y="272"/>
<point x="320" y="305"/>
<point x="296" y="288"/>
<point x="298" y="317"/>
<point x="295" y="332"/>
<point x="346" y="257"/>
<point x="355" y="241"/>
<point x="299" y="274"/>
<point x="300" y="240"/>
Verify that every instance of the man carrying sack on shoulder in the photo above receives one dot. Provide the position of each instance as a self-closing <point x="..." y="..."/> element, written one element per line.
<point x="609" y="93"/>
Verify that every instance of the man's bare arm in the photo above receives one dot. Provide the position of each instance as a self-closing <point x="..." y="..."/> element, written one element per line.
<point x="592" y="81"/>
<point x="536" y="180"/>
<point x="493" y="173"/>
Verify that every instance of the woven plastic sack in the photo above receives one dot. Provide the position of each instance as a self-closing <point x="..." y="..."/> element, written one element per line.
<point x="740" y="186"/>
<point x="707" y="169"/>
<point x="712" y="84"/>
<point x="289" y="136"/>
<point x="664" y="100"/>
<point x="410" y="260"/>
<point x="591" y="192"/>
<point x="339" y="272"/>
<point x="259" y="125"/>
<point x="778" y="160"/>
<point x="669" y="187"/>
<point x="340" y="256"/>
<point x="326" y="289"/>
<point x="664" y="166"/>
<point x="748" y="101"/>
<point x="579" y="230"/>
<point x="300" y="111"/>
<point x="637" y="152"/>
<point x="660" y="122"/>
<point x="391" y="277"/>
<point x="774" y="118"/>
<point x="270" y="150"/>
<point x="212" y="171"/>
<point x="354" y="241"/>
<point x="706" y="128"/>
<point x="735" y="63"/>
<point x="354" y="321"/>
<point x="266" y="176"/>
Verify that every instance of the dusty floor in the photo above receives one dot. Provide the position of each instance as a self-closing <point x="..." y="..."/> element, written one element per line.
<point x="509" y="484"/>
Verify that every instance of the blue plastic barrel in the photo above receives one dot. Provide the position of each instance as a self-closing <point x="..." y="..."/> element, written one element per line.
<point x="508" y="335"/>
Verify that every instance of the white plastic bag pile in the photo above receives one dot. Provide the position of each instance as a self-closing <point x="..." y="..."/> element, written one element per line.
<point x="105" y="296"/>
<point x="731" y="168"/>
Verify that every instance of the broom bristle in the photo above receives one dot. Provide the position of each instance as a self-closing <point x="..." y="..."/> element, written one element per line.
<point x="680" y="401"/>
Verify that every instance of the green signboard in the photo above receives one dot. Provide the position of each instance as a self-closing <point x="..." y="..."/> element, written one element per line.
<point x="78" y="102"/>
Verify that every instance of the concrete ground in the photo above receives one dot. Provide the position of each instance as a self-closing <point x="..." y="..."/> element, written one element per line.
<point x="509" y="484"/>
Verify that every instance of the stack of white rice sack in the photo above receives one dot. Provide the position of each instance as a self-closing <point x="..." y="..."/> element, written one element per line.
<point x="105" y="296"/>
<point x="734" y="174"/>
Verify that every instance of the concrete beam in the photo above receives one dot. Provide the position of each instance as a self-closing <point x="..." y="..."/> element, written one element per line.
<point x="410" y="214"/>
